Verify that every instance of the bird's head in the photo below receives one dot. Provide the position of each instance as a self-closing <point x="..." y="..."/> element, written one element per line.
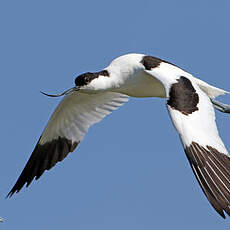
<point x="92" y="81"/>
<point x="85" y="81"/>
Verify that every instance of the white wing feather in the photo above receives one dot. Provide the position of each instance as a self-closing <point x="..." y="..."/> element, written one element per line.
<point x="65" y="129"/>
<point x="77" y="112"/>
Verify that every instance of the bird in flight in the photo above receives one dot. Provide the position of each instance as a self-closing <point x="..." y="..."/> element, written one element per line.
<point x="190" y="103"/>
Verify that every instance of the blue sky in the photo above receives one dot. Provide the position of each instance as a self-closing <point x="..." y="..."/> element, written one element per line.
<point x="130" y="172"/>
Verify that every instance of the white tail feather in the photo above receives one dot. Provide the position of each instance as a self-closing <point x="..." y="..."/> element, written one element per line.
<point x="210" y="90"/>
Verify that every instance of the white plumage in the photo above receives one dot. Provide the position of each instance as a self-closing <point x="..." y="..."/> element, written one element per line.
<point x="190" y="102"/>
<point x="77" y="112"/>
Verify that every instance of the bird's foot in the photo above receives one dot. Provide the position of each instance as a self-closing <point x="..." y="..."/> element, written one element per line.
<point x="221" y="106"/>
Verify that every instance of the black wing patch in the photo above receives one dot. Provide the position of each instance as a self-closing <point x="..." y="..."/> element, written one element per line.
<point x="212" y="170"/>
<point x="150" y="62"/>
<point x="183" y="96"/>
<point x="44" y="157"/>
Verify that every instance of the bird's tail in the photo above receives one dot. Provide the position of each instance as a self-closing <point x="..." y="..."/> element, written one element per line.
<point x="210" y="90"/>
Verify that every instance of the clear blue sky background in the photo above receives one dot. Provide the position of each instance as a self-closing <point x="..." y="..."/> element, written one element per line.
<point x="130" y="172"/>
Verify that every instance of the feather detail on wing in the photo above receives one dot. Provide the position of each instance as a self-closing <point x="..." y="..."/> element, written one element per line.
<point x="193" y="116"/>
<point x="212" y="170"/>
<point x="65" y="130"/>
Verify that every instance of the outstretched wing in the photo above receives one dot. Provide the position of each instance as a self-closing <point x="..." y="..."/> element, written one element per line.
<point x="193" y="116"/>
<point x="65" y="130"/>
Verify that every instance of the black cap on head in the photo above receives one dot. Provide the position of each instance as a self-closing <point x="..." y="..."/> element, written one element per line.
<point x="86" y="78"/>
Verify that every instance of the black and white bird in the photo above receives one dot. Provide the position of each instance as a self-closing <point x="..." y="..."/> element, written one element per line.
<point x="190" y="103"/>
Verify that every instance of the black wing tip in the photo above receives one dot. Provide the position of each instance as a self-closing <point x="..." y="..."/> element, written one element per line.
<point x="17" y="187"/>
<point x="222" y="215"/>
<point x="44" y="157"/>
<point x="212" y="170"/>
<point x="9" y="195"/>
<point x="223" y="211"/>
<point x="12" y="191"/>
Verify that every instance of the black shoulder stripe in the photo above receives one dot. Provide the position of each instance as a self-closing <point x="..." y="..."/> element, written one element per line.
<point x="150" y="62"/>
<point x="183" y="96"/>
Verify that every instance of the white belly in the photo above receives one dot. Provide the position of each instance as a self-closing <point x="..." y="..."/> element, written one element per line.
<point x="142" y="85"/>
